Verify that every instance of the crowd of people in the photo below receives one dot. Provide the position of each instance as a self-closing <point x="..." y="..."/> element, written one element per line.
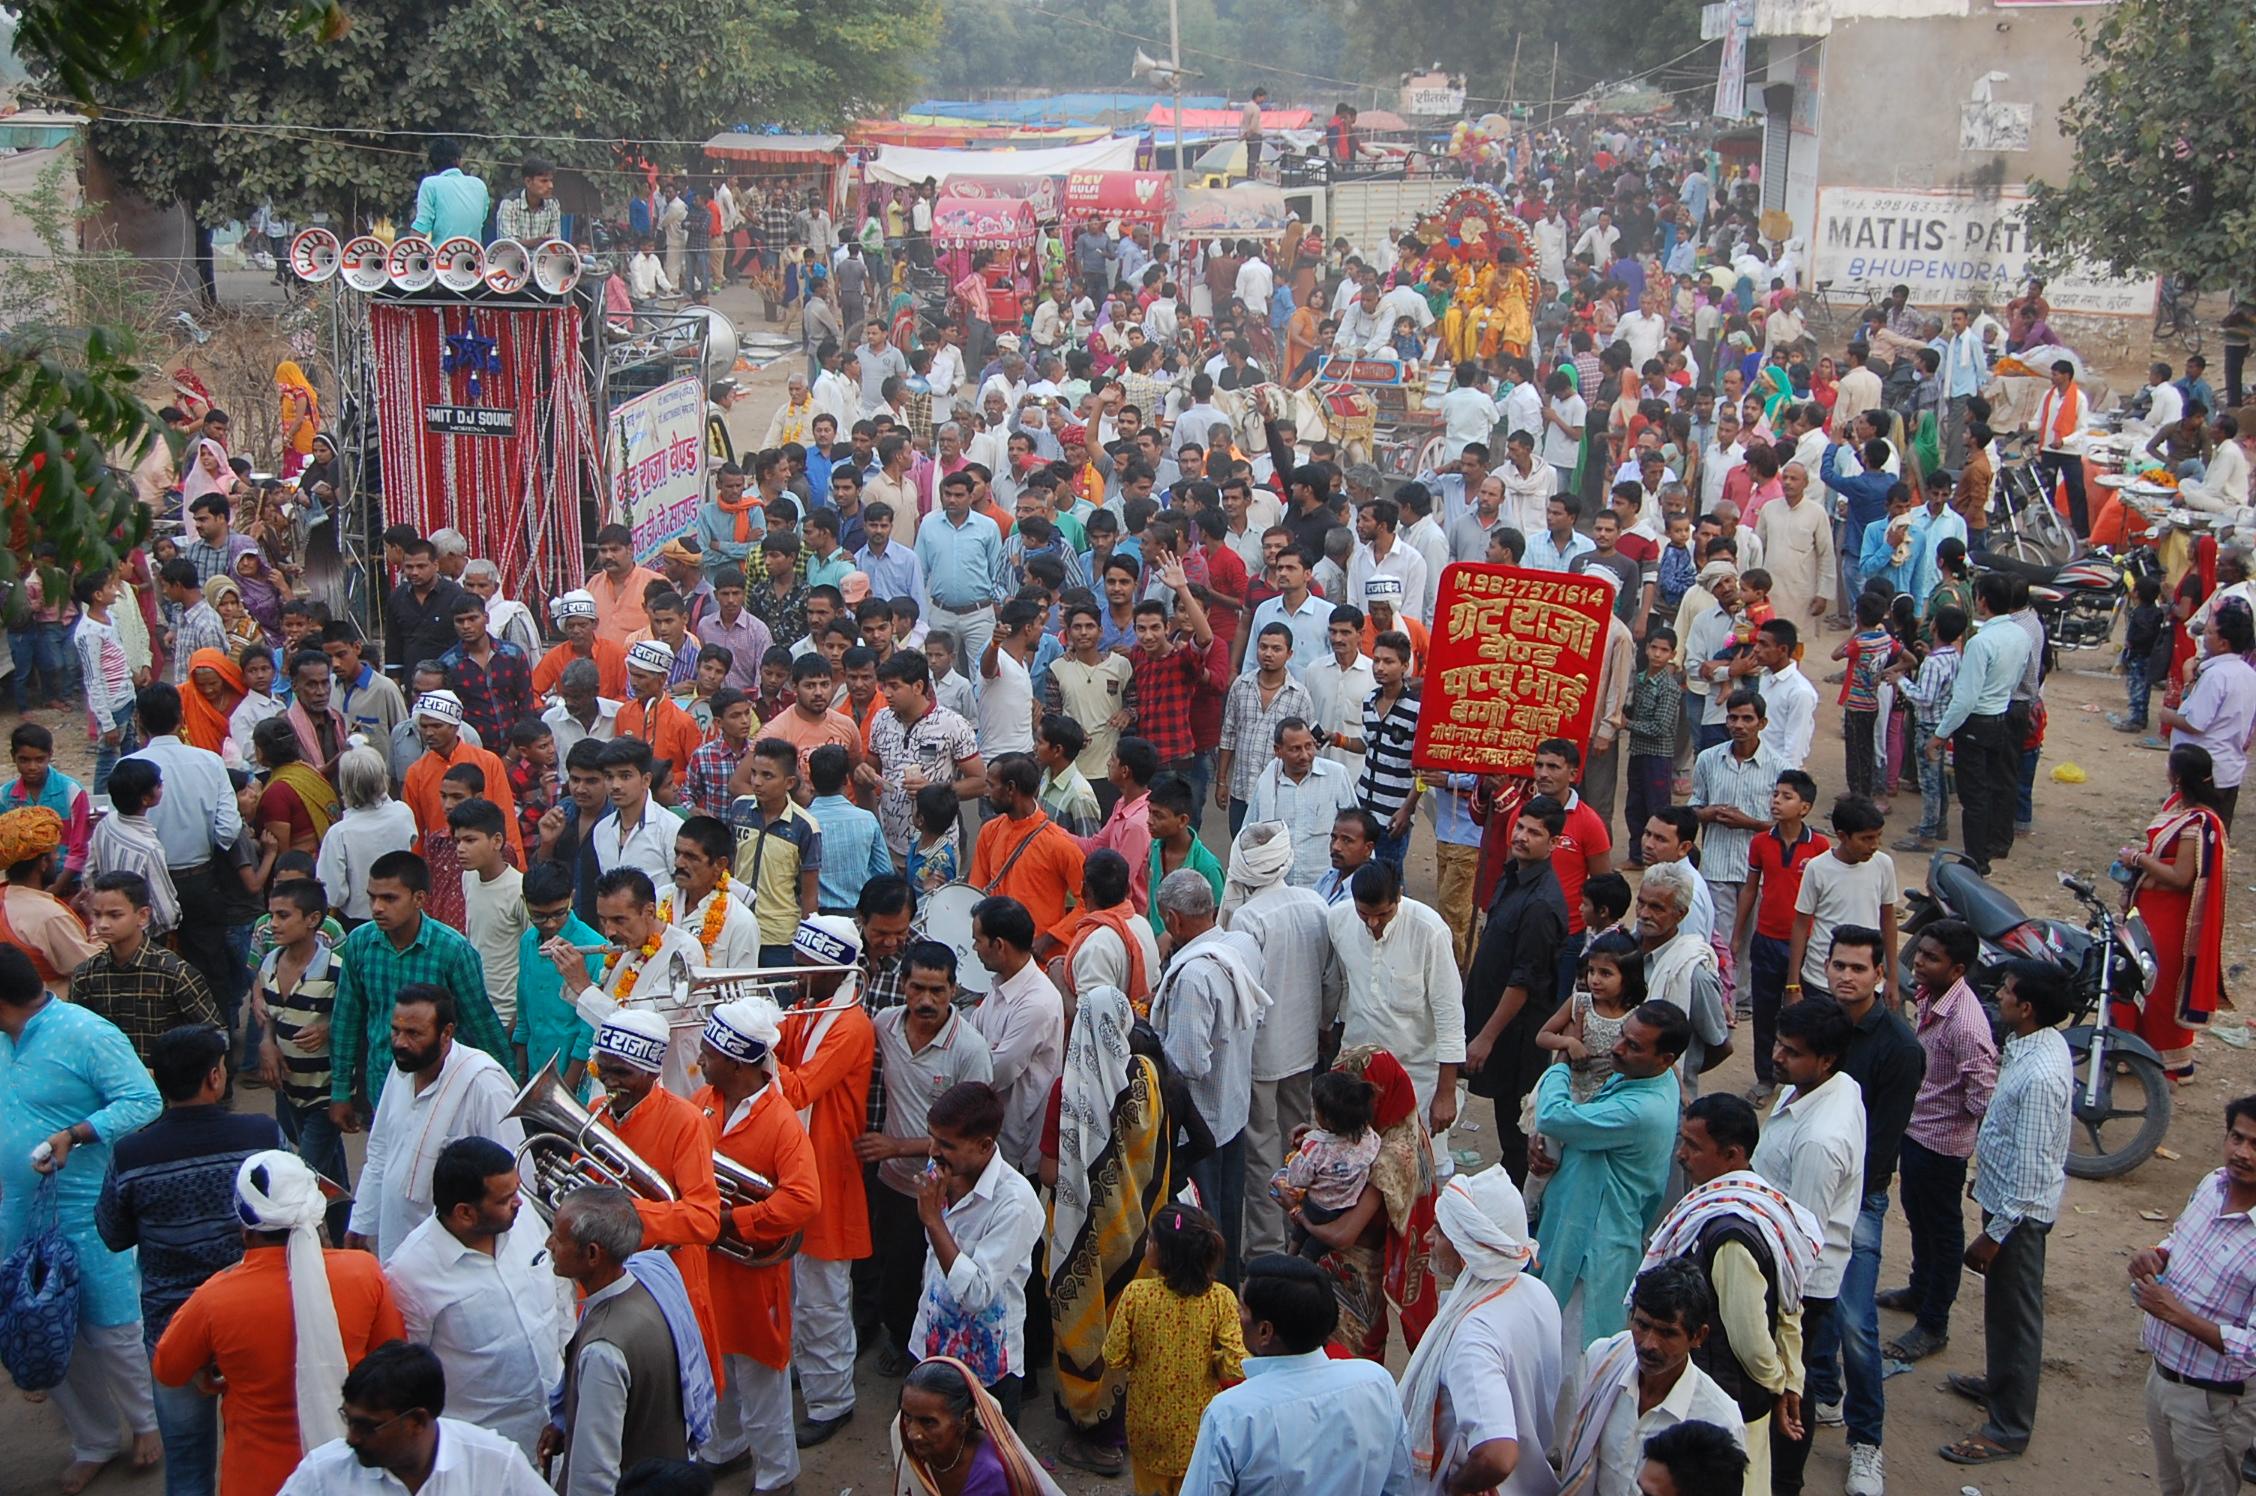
<point x="1044" y="735"/>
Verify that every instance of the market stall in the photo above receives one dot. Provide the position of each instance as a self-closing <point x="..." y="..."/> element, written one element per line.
<point x="784" y="160"/>
<point x="962" y="226"/>
<point x="1250" y="210"/>
<point x="1042" y="194"/>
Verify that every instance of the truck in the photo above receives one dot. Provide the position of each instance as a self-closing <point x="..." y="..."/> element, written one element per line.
<point x="1366" y="211"/>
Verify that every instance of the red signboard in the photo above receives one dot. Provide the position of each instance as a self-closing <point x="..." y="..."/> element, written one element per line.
<point x="1514" y="660"/>
<point x="1133" y="197"/>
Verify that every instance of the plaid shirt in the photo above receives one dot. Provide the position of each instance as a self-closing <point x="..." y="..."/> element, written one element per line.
<point x="497" y="695"/>
<point x="199" y="628"/>
<point x="534" y="790"/>
<point x="2213" y="1271"/>
<point x="883" y="986"/>
<point x="1962" y="1071"/>
<point x="154" y="991"/>
<point x="775" y="225"/>
<point x="1164" y="684"/>
<point x="2021" y="1152"/>
<point x="374" y="971"/>
<point x="710" y="769"/>
<point x="1249" y="729"/>
<point x="530" y="227"/>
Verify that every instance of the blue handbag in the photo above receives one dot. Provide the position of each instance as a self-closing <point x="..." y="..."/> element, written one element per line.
<point x="39" y="1299"/>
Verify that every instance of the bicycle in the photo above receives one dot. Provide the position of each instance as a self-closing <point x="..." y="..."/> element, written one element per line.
<point x="1831" y="307"/>
<point x="2177" y="314"/>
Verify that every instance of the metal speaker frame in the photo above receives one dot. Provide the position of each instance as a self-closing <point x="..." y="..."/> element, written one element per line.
<point x="461" y="263"/>
<point x="365" y="264"/>
<point x="509" y="267"/>
<point x="556" y="267"/>
<point x="315" y="255"/>
<point x="414" y="263"/>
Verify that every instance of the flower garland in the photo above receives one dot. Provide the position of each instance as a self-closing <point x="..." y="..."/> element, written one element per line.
<point x="716" y="913"/>
<point x="643" y="955"/>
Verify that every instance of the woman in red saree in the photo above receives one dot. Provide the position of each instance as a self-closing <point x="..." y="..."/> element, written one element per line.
<point x="2179" y="891"/>
<point x="1380" y="1249"/>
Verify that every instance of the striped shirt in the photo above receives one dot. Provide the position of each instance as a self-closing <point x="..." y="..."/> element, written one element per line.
<point x="1387" y="779"/>
<point x="305" y="1077"/>
<point x="1249" y="729"/>
<point x="2212" y="1270"/>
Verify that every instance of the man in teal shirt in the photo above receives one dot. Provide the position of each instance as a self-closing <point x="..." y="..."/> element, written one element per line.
<point x="450" y="204"/>
<point x="1612" y="1167"/>
<point x="549" y="1028"/>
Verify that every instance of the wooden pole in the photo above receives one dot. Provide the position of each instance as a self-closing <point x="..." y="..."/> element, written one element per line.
<point x="1512" y="78"/>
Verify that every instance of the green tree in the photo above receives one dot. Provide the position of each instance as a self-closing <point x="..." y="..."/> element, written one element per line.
<point x="2163" y="180"/>
<point x="340" y="124"/>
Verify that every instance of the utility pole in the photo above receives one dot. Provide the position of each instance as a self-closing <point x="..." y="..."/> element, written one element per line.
<point x="1175" y="79"/>
<point x="1552" y="110"/>
<point x="1512" y="78"/>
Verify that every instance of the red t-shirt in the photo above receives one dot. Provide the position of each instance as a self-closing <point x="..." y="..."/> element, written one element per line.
<point x="1781" y="869"/>
<point x="1585" y="837"/>
<point x="1225" y="573"/>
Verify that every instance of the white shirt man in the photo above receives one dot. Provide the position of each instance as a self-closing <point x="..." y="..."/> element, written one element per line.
<point x="569" y="730"/>
<point x="1644" y="332"/>
<point x="1306" y="806"/>
<point x="1792" y="722"/>
<point x="1403" y="990"/>
<point x="737" y="944"/>
<point x="468" y="1461"/>
<point x="1551" y="247"/>
<point x="1522" y="408"/>
<point x="1206" y="1009"/>
<point x="493" y="1317"/>
<point x="1023" y="1022"/>
<point x="1256" y="284"/>
<point x="1614" y="1439"/>
<point x="1467" y="415"/>
<point x="1339" y="692"/>
<point x="648" y="844"/>
<point x="1812" y="1147"/>
<point x="465" y="1094"/>
<point x="1716" y="463"/>
<point x="995" y="1226"/>
<point x="1406" y="301"/>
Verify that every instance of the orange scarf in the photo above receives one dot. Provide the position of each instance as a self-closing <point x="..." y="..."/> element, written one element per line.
<point x="205" y="725"/>
<point x="741" y="512"/>
<point x="1115" y="919"/>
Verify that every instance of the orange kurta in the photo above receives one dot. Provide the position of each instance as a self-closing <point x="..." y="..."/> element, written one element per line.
<point x="669" y="1134"/>
<point x="1042" y="877"/>
<point x="618" y="609"/>
<point x="610" y="663"/>
<point x="229" y="1323"/>
<point x="671" y="732"/>
<point x="836" y="1084"/>
<point x="421" y="791"/>
<point x="754" y="1303"/>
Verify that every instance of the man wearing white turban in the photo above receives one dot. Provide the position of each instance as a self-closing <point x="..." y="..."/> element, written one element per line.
<point x="1290" y="928"/>
<point x="1482" y="1388"/>
<point x="278" y="1331"/>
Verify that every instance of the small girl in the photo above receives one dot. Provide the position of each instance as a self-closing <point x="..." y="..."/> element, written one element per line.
<point x="1406" y="343"/>
<point x="934" y="860"/>
<point x="1583" y="1029"/>
<point x="1331" y="1161"/>
<point x="1176" y="1336"/>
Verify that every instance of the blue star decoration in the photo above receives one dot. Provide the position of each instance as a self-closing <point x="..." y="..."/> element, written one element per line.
<point x="473" y="354"/>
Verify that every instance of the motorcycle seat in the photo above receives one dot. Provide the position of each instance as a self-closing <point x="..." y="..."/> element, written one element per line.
<point x="1990" y="912"/>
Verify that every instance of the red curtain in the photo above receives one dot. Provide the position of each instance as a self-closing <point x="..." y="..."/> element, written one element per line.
<point x="516" y="497"/>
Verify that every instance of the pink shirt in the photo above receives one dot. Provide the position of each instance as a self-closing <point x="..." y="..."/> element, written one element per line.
<point x="1128" y="831"/>
<point x="1962" y="1066"/>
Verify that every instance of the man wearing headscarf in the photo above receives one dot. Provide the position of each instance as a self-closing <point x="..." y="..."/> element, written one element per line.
<point x="1482" y="1387"/>
<point x="1757" y="1246"/>
<point x="33" y="920"/>
<point x="667" y="1132"/>
<point x="574" y="614"/>
<point x="1289" y="928"/>
<point x="748" y="1119"/>
<point x="278" y="1331"/>
<point x="824" y="1063"/>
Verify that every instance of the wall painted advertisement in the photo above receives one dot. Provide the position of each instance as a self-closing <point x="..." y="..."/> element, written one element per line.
<point x="656" y="454"/>
<point x="1949" y="246"/>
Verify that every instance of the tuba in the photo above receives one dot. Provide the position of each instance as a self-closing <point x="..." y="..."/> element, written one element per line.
<point x="742" y="1186"/>
<point x="568" y="1147"/>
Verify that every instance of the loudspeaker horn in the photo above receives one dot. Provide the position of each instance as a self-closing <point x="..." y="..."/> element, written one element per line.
<point x="413" y="264"/>
<point x="315" y="255"/>
<point x="509" y="267"/>
<point x="556" y="267"/>
<point x="461" y="265"/>
<point x="366" y="265"/>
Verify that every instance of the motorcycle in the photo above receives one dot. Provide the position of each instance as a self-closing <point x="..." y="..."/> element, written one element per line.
<point x="2122" y="1095"/>
<point x="2077" y="602"/>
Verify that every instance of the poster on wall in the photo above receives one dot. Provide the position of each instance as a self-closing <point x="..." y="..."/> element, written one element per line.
<point x="1949" y="247"/>
<point x="1514" y="660"/>
<point x="655" y="453"/>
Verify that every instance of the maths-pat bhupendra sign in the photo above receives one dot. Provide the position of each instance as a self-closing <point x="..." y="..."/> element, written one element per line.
<point x="1513" y="660"/>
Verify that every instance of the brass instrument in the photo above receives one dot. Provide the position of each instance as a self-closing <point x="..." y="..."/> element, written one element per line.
<point x="691" y="993"/>
<point x="570" y="1147"/>
<point x="742" y="1186"/>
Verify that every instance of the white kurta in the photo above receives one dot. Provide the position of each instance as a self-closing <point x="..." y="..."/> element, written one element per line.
<point x="468" y="1097"/>
<point x="1797" y="542"/>
<point x="1403" y="993"/>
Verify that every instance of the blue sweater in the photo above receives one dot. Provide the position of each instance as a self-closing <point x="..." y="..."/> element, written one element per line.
<point x="171" y="1192"/>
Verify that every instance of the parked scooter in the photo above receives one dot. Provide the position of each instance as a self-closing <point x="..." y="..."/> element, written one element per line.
<point x="2122" y="1097"/>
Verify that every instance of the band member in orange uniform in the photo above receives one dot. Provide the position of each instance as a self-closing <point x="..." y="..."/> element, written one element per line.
<point x="667" y="1132"/>
<point x="748" y="1119"/>
<point x="828" y="1047"/>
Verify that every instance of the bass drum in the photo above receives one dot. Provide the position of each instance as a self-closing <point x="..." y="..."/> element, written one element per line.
<point x="946" y="917"/>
